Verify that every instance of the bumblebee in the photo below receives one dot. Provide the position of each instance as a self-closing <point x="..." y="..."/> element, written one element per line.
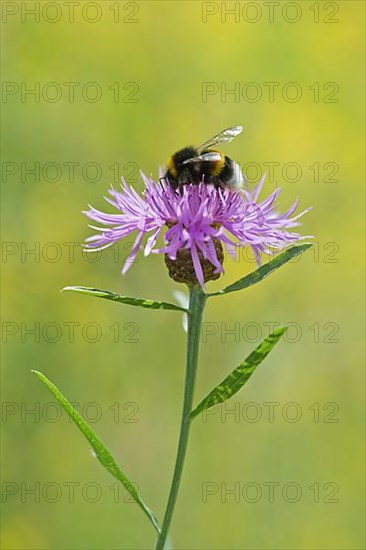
<point x="196" y="164"/>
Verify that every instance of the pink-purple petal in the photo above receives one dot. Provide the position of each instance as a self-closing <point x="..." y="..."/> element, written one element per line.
<point x="193" y="218"/>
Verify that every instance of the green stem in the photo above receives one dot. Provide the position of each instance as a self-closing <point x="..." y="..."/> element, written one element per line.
<point x="197" y="300"/>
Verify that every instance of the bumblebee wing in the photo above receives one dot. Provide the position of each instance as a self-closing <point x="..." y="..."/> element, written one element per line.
<point x="223" y="137"/>
<point x="211" y="156"/>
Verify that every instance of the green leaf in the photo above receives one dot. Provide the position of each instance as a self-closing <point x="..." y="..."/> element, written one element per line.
<point x="239" y="376"/>
<point x="101" y="451"/>
<point x="265" y="270"/>
<point x="150" y="304"/>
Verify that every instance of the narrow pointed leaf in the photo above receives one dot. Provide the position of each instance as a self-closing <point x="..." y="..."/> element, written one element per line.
<point x="107" y="295"/>
<point x="265" y="270"/>
<point x="239" y="376"/>
<point x="101" y="451"/>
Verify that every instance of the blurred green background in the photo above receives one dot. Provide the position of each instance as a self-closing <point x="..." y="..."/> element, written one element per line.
<point x="149" y="64"/>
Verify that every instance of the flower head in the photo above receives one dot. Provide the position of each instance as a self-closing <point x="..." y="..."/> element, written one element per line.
<point x="196" y="221"/>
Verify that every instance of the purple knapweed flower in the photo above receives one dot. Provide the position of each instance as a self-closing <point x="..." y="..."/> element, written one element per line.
<point x="197" y="221"/>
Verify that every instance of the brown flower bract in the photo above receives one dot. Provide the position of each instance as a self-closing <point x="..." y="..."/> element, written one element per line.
<point x="182" y="269"/>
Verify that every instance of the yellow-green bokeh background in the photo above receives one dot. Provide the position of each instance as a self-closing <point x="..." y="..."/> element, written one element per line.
<point x="169" y="53"/>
